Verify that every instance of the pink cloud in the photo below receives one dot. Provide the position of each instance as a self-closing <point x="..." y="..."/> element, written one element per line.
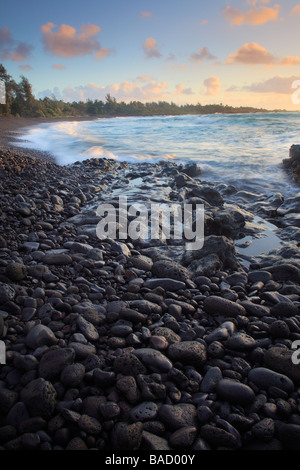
<point x="213" y="85"/>
<point x="251" y="54"/>
<point x="255" y="16"/>
<point x="67" y="42"/>
<point x="150" y="49"/>
<point x="202" y="54"/>
<point x="58" y="67"/>
<point x="146" y="14"/>
<point x="11" y="49"/>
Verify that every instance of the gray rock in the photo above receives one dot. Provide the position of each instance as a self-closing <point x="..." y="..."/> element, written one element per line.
<point x="142" y="262"/>
<point x="178" y="416"/>
<point x="38" y="271"/>
<point x="166" y="268"/>
<point x="40" y="335"/>
<point x="235" y="392"/>
<point x="87" y="329"/>
<point x="57" y="259"/>
<point x="54" y="361"/>
<point x="167" y="333"/>
<point x="127" y="436"/>
<point x="39" y="396"/>
<point x="264" y="429"/>
<point x="153" y="359"/>
<point x="7" y="293"/>
<point x="210" y="380"/>
<point x="280" y="360"/>
<point x="284" y="272"/>
<point x="259" y="276"/>
<point x="89" y="425"/>
<point x="166" y="283"/>
<point x="255" y="310"/>
<point x="220" y="306"/>
<point x="73" y="375"/>
<point x="188" y="352"/>
<point x="144" y="411"/>
<point x="264" y="378"/>
<point x="240" y="342"/>
<point x="153" y="442"/>
<point x="183" y="438"/>
<point x="128" y="364"/>
<point x="16" y="272"/>
<point x="218" y="437"/>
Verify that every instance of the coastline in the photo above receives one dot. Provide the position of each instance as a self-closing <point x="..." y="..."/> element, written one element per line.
<point x="12" y="127"/>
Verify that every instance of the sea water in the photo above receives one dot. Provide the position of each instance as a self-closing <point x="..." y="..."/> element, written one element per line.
<point x="245" y="150"/>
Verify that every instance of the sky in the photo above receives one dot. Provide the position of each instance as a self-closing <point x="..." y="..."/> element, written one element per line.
<point x="237" y="52"/>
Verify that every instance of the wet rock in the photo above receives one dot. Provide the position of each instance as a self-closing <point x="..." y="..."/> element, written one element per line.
<point x="183" y="438"/>
<point x="240" y="342"/>
<point x="218" y="437"/>
<point x="57" y="259"/>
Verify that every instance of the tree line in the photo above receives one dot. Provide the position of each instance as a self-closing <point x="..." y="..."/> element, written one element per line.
<point x="20" y="102"/>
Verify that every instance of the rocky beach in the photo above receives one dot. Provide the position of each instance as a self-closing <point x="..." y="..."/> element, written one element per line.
<point x="140" y="345"/>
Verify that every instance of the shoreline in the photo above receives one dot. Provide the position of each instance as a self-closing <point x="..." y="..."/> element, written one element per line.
<point x="11" y="127"/>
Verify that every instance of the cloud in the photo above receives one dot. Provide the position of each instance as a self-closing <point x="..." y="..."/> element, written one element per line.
<point x="278" y="84"/>
<point x="213" y="85"/>
<point x="295" y="10"/>
<point x="67" y="42"/>
<point x="58" y="67"/>
<point x="180" y="90"/>
<point x="146" y="14"/>
<point x="122" y="91"/>
<point x="290" y="61"/>
<point x="25" y="67"/>
<point x="11" y="49"/>
<point x="202" y="54"/>
<point x="150" y="49"/>
<point x="144" y="78"/>
<point x="255" y="16"/>
<point x="251" y="54"/>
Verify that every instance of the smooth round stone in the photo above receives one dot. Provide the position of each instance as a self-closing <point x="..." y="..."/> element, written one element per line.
<point x="158" y="342"/>
<point x="168" y="334"/>
<point x="221" y="333"/>
<point x="40" y="335"/>
<point x="235" y="392"/>
<point x="241" y="342"/>
<point x="121" y="330"/>
<point x="178" y="416"/>
<point x="166" y="283"/>
<point x="73" y="375"/>
<point x="211" y="379"/>
<point x="144" y="411"/>
<point x="87" y="329"/>
<point x="183" y="438"/>
<point x="259" y="276"/>
<point x="153" y="359"/>
<point x="264" y="378"/>
<point x="57" y="259"/>
<point x="54" y="361"/>
<point x="188" y="352"/>
<point x="220" y="306"/>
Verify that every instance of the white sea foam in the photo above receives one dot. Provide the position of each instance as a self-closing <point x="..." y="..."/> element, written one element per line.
<point x="239" y="149"/>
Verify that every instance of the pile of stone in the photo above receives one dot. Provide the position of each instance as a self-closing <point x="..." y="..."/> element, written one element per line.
<point x="115" y="346"/>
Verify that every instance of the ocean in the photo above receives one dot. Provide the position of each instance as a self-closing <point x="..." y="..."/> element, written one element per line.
<point x="245" y="150"/>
